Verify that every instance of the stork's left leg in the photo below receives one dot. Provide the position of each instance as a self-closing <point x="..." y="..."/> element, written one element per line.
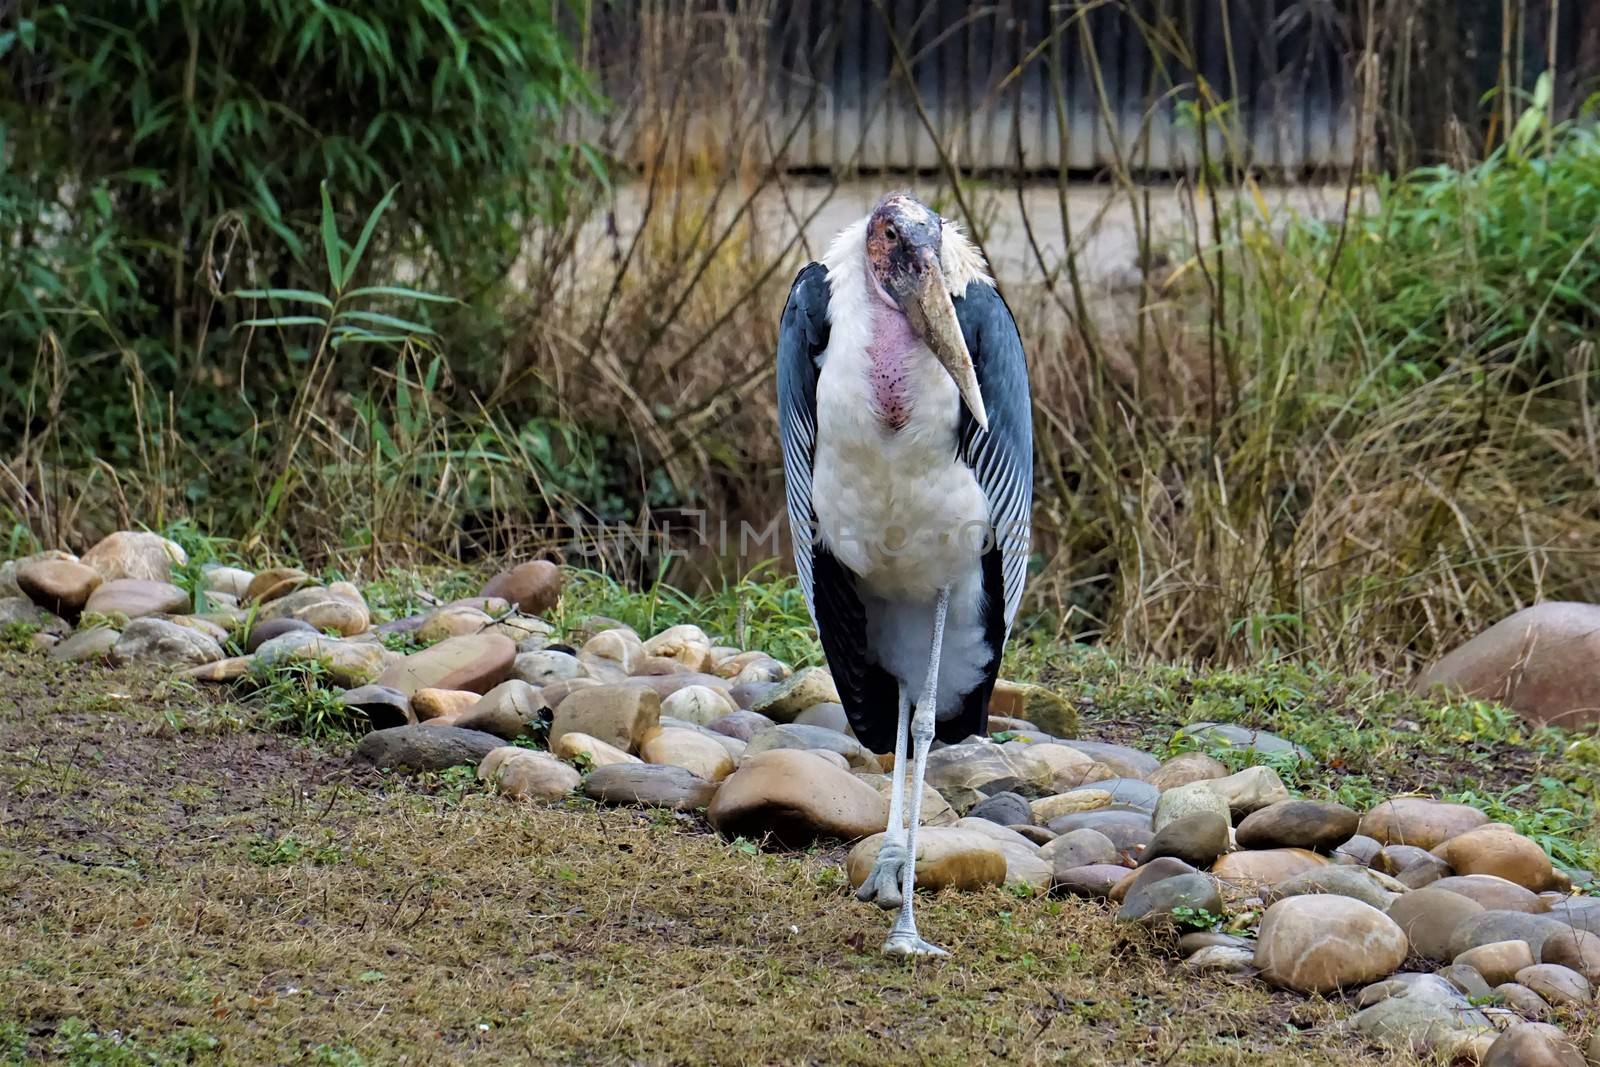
<point x="903" y="938"/>
<point x="883" y="884"/>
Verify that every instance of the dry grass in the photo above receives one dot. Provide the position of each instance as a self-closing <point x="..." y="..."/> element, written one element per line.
<point x="208" y="892"/>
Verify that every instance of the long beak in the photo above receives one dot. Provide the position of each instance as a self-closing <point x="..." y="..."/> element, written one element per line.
<point x="942" y="333"/>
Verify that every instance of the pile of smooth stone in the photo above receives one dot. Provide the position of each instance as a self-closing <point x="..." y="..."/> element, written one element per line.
<point x="1457" y="935"/>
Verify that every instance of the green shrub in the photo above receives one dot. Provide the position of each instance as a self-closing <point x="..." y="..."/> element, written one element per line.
<point x="157" y="154"/>
<point x="1492" y="264"/>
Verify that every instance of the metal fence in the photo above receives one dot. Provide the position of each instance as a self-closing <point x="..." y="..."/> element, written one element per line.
<point x="1080" y="85"/>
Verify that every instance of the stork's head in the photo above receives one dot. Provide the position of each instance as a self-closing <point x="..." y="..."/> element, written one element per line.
<point x="905" y="241"/>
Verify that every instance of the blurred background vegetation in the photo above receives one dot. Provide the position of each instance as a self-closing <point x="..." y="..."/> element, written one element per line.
<point x="407" y="280"/>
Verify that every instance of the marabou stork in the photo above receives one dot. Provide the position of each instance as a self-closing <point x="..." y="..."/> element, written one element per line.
<point x="908" y="458"/>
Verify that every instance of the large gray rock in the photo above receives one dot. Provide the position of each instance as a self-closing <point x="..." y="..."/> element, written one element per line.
<point x="1494" y="925"/>
<point x="266" y="630"/>
<point x="1079" y="849"/>
<point x="1313" y="824"/>
<point x="1533" y="1045"/>
<point x="1125" y="762"/>
<point x="1197" y="839"/>
<point x="19" y="609"/>
<point x="1148" y="874"/>
<point x="649" y="784"/>
<point x="1358" y="883"/>
<point x="93" y="643"/>
<point x="1091" y="880"/>
<point x="1159" y="902"/>
<point x="1128" y="830"/>
<point x="164" y="644"/>
<point x="1007" y="809"/>
<point x="1424" y="1013"/>
<point x="1318" y="943"/>
<point x="425" y="748"/>
<point x="741" y="725"/>
<point x="1581" y="913"/>
<point x="793" y="735"/>
<point x="1231" y="735"/>
<point x="1131" y="792"/>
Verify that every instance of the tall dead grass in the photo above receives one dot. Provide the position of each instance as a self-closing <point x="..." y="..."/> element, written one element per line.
<point x="1229" y="467"/>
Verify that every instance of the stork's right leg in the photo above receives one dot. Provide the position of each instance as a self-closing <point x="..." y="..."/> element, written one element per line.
<point x="883" y="885"/>
<point x="903" y="937"/>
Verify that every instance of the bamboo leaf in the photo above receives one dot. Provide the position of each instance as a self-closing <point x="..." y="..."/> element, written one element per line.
<point x="283" y="320"/>
<point x="366" y="235"/>
<point x="303" y="296"/>
<point x="401" y="292"/>
<point x="377" y="318"/>
<point x="330" y="240"/>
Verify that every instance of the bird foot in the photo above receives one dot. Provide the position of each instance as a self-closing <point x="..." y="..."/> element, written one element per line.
<point x="907" y="943"/>
<point x="882" y="886"/>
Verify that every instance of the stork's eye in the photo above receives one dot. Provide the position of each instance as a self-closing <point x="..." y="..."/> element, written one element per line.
<point x="889" y="232"/>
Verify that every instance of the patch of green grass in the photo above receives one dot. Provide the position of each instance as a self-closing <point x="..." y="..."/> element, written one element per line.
<point x="1369" y="739"/>
<point x="397" y="593"/>
<point x="290" y="849"/>
<point x="79" y="1043"/>
<point x="200" y="546"/>
<point x="13" y="1043"/>
<point x="90" y="620"/>
<point x="403" y="643"/>
<point x="452" y="785"/>
<point x="763" y="610"/>
<point x="1188" y="918"/>
<point x="296" y="698"/>
<point x="18" y="635"/>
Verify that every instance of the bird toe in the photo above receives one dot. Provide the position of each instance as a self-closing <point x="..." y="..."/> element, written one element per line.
<point x="882" y="886"/>
<point x="909" y="944"/>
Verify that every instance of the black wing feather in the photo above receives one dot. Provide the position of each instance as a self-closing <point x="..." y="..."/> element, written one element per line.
<point x="1001" y="458"/>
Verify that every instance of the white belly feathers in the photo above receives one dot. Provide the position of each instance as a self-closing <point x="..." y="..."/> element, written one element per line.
<point x="906" y="515"/>
<point x="897" y="506"/>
